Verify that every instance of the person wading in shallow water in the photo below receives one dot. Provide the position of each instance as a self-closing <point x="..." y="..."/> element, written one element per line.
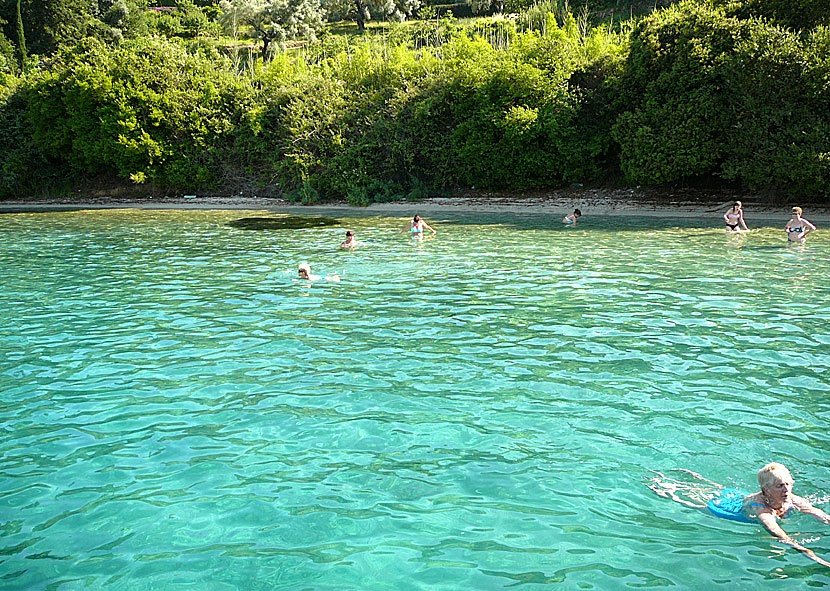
<point x="798" y="228"/>
<point x="416" y="227"/>
<point x="350" y="241"/>
<point x="734" y="218"/>
<point x="572" y="217"/>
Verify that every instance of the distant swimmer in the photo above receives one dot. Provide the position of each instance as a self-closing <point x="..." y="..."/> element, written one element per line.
<point x="734" y="218"/>
<point x="304" y="273"/>
<point x="774" y="501"/>
<point x="350" y="241"/>
<point x="798" y="228"/>
<point x="572" y="217"/>
<point x="416" y="227"/>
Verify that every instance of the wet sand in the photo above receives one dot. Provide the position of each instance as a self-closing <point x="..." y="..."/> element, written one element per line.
<point x="600" y="202"/>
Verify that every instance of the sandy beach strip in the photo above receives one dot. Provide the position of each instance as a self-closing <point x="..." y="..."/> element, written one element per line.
<point x="623" y="202"/>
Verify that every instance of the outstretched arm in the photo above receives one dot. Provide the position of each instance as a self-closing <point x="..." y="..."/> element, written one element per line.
<point x="805" y="506"/>
<point x="428" y="227"/>
<point x="772" y="526"/>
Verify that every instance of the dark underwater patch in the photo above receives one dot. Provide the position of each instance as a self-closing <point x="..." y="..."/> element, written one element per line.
<point x="291" y="222"/>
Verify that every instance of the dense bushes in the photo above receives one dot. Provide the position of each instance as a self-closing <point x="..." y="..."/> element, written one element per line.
<point x="688" y="92"/>
<point x="736" y="99"/>
<point x="146" y="111"/>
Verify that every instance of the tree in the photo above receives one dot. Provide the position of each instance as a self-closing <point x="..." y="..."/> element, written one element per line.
<point x="364" y="10"/>
<point x="273" y="21"/>
<point x="21" y="37"/>
<point x="795" y="14"/>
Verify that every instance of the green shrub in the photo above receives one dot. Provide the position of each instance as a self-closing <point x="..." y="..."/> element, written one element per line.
<point x="794" y="14"/>
<point x="147" y="110"/>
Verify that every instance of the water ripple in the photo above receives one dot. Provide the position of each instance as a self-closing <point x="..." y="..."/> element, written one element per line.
<point x="474" y="411"/>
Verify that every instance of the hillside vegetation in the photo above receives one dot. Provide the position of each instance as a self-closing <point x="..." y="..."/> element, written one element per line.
<point x="186" y="99"/>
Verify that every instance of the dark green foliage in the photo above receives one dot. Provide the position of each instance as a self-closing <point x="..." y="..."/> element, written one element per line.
<point x="675" y="115"/>
<point x="8" y="62"/>
<point x="780" y="136"/>
<point x="686" y="93"/>
<point x="19" y="156"/>
<point x="148" y="111"/>
<point x="707" y="95"/>
<point x="794" y="14"/>
<point x="21" y="36"/>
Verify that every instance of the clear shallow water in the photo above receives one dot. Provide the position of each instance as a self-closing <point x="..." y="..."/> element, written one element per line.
<point x="477" y="411"/>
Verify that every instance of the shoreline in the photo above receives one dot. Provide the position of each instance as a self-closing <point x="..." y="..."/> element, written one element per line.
<point x="621" y="202"/>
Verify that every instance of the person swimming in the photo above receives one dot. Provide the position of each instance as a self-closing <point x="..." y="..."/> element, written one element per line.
<point x="774" y="501"/>
<point x="416" y="227"/>
<point x="572" y="217"/>
<point x="734" y="217"/>
<point x="350" y="241"/>
<point x="798" y="227"/>
<point x="304" y="273"/>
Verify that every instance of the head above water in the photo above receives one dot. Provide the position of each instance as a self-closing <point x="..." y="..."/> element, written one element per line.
<point x="416" y="219"/>
<point x="738" y="205"/>
<point x="304" y="269"/>
<point x="577" y="213"/>
<point x="773" y="473"/>
<point x="349" y="233"/>
<point x="796" y="210"/>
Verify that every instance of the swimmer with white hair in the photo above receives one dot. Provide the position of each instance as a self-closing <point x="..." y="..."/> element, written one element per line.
<point x="304" y="273"/>
<point x="798" y="228"/>
<point x="774" y="501"/>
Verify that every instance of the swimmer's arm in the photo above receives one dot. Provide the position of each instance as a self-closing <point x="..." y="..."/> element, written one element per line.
<point x="743" y="223"/>
<point x="769" y="522"/>
<point x="428" y="227"/>
<point x="805" y="506"/>
<point x="808" y="226"/>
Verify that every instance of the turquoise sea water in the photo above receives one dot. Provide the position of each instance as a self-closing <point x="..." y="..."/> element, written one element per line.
<point x="481" y="410"/>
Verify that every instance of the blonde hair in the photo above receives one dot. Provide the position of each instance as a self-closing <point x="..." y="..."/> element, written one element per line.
<point x="797" y="210"/>
<point x="772" y="472"/>
<point x="304" y="267"/>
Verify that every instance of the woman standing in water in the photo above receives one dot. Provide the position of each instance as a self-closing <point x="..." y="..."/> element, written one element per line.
<point x="734" y="218"/>
<point x="798" y="228"/>
<point x="416" y="227"/>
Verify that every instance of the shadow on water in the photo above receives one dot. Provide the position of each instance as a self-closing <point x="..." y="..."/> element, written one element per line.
<point x="282" y="223"/>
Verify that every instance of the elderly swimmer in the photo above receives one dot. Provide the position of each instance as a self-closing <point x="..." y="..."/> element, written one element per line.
<point x="304" y="273"/>
<point x="774" y="501"/>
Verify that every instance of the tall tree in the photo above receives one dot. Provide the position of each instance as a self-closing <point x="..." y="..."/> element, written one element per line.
<point x="21" y="37"/>
<point x="273" y="21"/>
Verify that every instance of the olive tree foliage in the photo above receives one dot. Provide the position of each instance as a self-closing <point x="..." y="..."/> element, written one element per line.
<point x="273" y="21"/>
<point x="485" y="6"/>
<point x="365" y="10"/>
